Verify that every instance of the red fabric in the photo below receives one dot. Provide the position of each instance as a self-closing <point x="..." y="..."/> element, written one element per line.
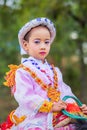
<point x="59" y="118"/>
<point x="7" y="124"/>
<point x="72" y="107"/>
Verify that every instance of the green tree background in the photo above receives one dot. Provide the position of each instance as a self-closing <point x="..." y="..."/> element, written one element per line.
<point x="68" y="52"/>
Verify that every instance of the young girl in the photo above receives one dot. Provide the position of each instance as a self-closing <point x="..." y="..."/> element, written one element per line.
<point x="38" y="87"/>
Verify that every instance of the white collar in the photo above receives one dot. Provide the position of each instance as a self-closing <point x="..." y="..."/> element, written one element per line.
<point x="34" y="59"/>
<point x="37" y="60"/>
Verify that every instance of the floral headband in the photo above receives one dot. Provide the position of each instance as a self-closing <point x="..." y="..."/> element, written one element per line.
<point x="34" y="23"/>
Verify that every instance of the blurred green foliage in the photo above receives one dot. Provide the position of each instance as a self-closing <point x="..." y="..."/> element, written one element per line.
<point x="69" y="50"/>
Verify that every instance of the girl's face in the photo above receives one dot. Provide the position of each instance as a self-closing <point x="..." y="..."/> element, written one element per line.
<point x="38" y="44"/>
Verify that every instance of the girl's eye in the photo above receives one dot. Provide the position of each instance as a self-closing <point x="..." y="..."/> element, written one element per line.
<point x="47" y="42"/>
<point x="37" y="41"/>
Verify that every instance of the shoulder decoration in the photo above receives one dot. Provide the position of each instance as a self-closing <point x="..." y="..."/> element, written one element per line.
<point x="10" y="75"/>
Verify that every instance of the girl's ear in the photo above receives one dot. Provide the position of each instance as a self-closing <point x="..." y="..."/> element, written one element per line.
<point x="25" y="45"/>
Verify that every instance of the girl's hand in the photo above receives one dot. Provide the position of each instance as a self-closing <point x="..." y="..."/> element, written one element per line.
<point x="58" y="106"/>
<point x="84" y="108"/>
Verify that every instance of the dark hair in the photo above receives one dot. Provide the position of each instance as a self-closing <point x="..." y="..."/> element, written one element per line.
<point x="26" y="37"/>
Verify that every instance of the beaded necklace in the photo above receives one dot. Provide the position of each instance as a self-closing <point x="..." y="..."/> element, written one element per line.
<point x="42" y="70"/>
<point x="52" y="92"/>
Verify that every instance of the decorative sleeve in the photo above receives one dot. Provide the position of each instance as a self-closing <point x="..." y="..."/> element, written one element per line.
<point x="46" y="106"/>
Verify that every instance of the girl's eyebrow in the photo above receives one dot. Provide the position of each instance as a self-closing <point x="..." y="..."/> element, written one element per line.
<point x="40" y="39"/>
<point x="47" y="39"/>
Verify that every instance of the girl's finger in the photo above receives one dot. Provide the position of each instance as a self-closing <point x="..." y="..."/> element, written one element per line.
<point x="83" y="106"/>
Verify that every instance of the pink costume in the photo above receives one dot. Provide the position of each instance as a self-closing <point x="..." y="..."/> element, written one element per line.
<point x="30" y="96"/>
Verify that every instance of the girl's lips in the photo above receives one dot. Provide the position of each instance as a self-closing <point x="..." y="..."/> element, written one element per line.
<point x="42" y="53"/>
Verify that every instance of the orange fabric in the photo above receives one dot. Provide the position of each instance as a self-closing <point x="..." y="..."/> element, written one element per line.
<point x="46" y="106"/>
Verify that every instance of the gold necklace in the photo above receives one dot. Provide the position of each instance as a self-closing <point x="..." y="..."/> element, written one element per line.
<point x="52" y="92"/>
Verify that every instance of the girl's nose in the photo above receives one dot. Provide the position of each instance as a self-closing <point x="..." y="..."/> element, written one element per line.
<point x="43" y="46"/>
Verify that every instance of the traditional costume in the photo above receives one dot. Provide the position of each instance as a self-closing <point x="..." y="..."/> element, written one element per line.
<point x="36" y="86"/>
